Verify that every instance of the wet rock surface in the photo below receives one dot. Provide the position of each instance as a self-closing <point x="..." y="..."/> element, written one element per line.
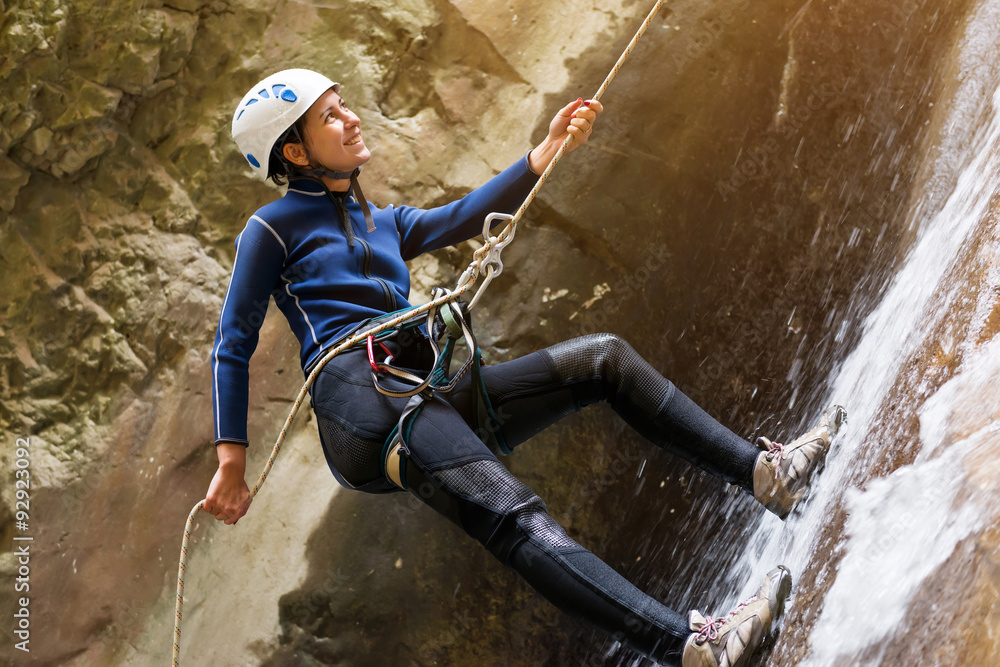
<point x="735" y="216"/>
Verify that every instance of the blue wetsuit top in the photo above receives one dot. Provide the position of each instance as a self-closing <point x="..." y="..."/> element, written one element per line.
<point x="295" y="250"/>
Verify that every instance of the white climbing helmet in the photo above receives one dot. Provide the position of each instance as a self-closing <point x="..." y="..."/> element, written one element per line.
<point x="270" y="108"/>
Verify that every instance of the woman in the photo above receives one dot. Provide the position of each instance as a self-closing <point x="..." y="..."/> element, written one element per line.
<point x="331" y="262"/>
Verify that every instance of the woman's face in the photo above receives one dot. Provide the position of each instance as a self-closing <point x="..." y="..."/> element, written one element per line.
<point x="333" y="134"/>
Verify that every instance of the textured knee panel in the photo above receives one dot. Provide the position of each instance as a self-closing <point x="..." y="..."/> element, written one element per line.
<point x="490" y="485"/>
<point x="605" y="367"/>
<point x="511" y="521"/>
<point x="617" y="373"/>
<point x="537" y="524"/>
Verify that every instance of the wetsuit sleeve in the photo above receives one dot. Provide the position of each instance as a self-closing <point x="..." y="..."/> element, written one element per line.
<point x="423" y="230"/>
<point x="260" y="255"/>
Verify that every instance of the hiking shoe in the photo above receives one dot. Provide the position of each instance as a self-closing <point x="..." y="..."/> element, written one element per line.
<point x="782" y="473"/>
<point x="730" y="641"/>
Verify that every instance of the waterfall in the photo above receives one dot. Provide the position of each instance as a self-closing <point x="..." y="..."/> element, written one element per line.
<point x="902" y="525"/>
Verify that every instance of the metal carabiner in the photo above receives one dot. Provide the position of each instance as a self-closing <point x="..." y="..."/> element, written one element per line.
<point x="495" y="244"/>
<point x="489" y="223"/>
<point x="371" y="354"/>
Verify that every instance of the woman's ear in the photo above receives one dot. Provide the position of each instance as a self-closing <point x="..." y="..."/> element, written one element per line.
<point x="295" y="154"/>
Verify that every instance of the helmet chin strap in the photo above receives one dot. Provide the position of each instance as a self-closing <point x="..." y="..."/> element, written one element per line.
<point x="318" y="173"/>
<point x="323" y="172"/>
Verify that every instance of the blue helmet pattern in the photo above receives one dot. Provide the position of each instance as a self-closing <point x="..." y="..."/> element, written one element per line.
<point x="281" y="92"/>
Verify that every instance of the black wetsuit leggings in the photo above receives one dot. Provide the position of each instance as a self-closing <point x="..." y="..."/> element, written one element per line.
<point x="450" y="469"/>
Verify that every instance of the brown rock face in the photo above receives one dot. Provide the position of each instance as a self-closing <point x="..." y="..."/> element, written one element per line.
<point x="759" y="175"/>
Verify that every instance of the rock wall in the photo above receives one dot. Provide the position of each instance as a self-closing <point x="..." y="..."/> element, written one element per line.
<point x="737" y="207"/>
<point x="121" y="193"/>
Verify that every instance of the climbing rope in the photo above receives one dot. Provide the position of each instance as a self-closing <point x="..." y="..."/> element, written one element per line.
<point x="485" y="262"/>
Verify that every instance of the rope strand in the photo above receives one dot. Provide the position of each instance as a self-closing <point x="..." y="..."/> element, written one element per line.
<point x="507" y="235"/>
<point x="597" y="96"/>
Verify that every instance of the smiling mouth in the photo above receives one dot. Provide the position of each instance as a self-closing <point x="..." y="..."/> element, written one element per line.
<point x="356" y="139"/>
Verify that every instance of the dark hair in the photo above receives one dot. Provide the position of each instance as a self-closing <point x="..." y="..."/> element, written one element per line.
<point x="279" y="168"/>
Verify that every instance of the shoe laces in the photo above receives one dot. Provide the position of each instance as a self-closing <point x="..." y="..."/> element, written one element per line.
<point x="710" y="631"/>
<point x="775" y="453"/>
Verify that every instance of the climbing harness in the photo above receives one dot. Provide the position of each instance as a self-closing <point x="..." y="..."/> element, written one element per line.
<point x="444" y="308"/>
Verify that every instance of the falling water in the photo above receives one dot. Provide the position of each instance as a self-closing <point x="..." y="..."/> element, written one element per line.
<point x="901" y="527"/>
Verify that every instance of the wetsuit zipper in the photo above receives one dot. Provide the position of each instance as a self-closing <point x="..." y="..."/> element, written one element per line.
<point x="390" y="298"/>
<point x="348" y="220"/>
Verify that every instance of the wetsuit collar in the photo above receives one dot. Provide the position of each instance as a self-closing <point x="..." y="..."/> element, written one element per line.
<point x="305" y="185"/>
<point x="316" y="186"/>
